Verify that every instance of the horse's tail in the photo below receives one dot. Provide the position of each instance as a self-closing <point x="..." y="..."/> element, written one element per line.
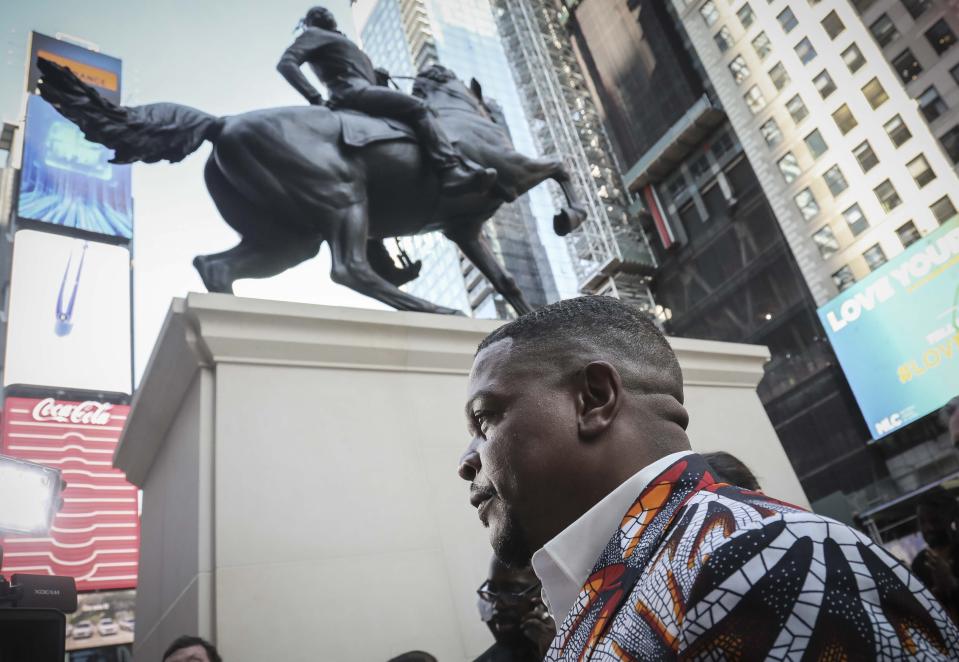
<point x="136" y="133"/>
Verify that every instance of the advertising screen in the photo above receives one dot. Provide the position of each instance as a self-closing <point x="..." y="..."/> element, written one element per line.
<point x="67" y="180"/>
<point x="69" y="314"/>
<point x="96" y="69"/>
<point x="896" y="333"/>
<point x="95" y="538"/>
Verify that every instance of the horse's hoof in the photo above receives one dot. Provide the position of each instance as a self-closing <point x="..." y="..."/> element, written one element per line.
<point x="567" y="220"/>
<point x="215" y="276"/>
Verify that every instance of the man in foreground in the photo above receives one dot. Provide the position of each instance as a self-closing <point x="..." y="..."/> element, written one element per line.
<point x="191" y="649"/>
<point x="579" y="454"/>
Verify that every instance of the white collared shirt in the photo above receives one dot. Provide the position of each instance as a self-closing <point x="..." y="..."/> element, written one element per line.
<point x="564" y="563"/>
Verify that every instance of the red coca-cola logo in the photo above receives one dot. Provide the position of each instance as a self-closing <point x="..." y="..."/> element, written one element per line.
<point x="81" y="413"/>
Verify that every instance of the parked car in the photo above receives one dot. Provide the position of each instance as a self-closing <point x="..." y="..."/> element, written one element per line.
<point x="127" y="624"/>
<point x="107" y="626"/>
<point x="83" y="630"/>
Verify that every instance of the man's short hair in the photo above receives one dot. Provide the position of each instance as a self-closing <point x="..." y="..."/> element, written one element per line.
<point x="598" y="328"/>
<point x="939" y="500"/>
<point x="186" y="641"/>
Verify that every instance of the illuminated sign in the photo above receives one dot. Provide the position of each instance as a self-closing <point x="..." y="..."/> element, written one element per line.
<point x="69" y="181"/>
<point x="95" y="538"/>
<point x="69" y="315"/>
<point x="96" y="69"/>
<point x="896" y="333"/>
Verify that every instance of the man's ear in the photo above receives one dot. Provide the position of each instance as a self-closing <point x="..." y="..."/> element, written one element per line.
<point x="600" y="396"/>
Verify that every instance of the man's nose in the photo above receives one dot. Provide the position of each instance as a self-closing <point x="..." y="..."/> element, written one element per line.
<point x="470" y="463"/>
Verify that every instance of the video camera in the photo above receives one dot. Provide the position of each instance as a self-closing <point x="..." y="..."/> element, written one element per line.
<point x="32" y="607"/>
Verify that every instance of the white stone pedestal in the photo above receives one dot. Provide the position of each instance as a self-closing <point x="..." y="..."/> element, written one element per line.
<point x="298" y="467"/>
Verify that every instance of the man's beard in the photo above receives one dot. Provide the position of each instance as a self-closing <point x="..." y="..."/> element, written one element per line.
<point x="509" y="541"/>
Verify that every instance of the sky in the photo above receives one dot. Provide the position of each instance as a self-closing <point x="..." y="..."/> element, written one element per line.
<point x="216" y="56"/>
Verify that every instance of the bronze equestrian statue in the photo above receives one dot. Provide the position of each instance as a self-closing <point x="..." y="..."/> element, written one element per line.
<point x="288" y="179"/>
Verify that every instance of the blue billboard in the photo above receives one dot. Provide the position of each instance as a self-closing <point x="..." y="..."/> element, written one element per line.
<point x="67" y="180"/>
<point x="896" y="333"/>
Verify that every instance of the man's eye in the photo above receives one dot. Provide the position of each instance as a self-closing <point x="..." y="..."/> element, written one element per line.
<point x="482" y="420"/>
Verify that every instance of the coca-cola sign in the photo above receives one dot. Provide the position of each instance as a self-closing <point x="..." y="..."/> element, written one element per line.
<point x="81" y="413"/>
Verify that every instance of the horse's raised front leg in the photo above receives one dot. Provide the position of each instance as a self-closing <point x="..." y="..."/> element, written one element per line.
<point x="525" y="173"/>
<point x="348" y="236"/>
<point x="474" y="247"/>
<point x="571" y="217"/>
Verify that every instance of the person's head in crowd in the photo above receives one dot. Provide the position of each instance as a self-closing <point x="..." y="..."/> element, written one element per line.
<point x="563" y="405"/>
<point x="413" y="656"/>
<point x="191" y="649"/>
<point x="938" y="515"/>
<point x="511" y="606"/>
<point x="949" y="416"/>
<point x="727" y="468"/>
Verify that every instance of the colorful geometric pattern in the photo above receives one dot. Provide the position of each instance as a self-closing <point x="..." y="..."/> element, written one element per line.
<point x="706" y="571"/>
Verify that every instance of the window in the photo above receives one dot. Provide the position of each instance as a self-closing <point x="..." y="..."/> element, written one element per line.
<point x="908" y="234"/>
<point x="807" y="204"/>
<point x="855" y="220"/>
<point x="843" y="279"/>
<point x="931" y="104"/>
<point x="826" y="242"/>
<point x="941" y="36"/>
<point x="833" y="25"/>
<point x="738" y="69"/>
<point x="815" y="144"/>
<point x="866" y="157"/>
<point x="824" y="84"/>
<point x="762" y="45"/>
<point x="943" y="209"/>
<point x="779" y="76"/>
<point x="875" y="93"/>
<point x="724" y="39"/>
<point x="709" y="12"/>
<point x="844" y="119"/>
<point x="853" y="58"/>
<point x="887" y="195"/>
<point x="907" y="66"/>
<point x="789" y="167"/>
<point x="746" y="16"/>
<point x="921" y="171"/>
<point x="755" y="99"/>
<point x="771" y="133"/>
<point x="916" y="7"/>
<point x="874" y="256"/>
<point x="835" y="180"/>
<point x="805" y="51"/>
<point x="860" y="5"/>
<point x="884" y="30"/>
<point x="787" y="19"/>
<point x="897" y="130"/>
<point x="950" y="142"/>
<point x="797" y="109"/>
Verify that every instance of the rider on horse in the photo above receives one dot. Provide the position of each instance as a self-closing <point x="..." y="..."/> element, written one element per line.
<point x="353" y="83"/>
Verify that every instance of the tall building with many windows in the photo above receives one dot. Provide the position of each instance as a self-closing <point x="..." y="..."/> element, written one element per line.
<point x="725" y="271"/>
<point x="404" y="36"/>
<point x="849" y="113"/>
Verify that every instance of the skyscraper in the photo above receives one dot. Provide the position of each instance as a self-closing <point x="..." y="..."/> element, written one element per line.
<point x="810" y="91"/>
<point x="405" y="36"/>
<point x="611" y="255"/>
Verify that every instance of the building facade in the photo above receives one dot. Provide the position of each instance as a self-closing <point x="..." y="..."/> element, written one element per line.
<point x="820" y="95"/>
<point x="610" y="253"/>
<point x="404" y="36"/>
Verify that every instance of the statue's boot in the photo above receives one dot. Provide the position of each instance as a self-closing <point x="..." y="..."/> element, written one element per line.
<point x="456" y="180"/>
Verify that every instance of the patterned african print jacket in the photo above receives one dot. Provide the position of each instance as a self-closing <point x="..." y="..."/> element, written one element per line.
<point x="704" y="570"/>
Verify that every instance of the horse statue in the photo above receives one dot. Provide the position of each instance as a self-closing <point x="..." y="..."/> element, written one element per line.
<point x="288" y="179"/>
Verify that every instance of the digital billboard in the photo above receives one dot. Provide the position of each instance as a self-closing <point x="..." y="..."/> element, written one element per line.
<point x="101" y="619"/>
<point x="896" y="333"/>
<point x="93" y="68"/>
<point x="67" y="180"/>
<point x="95" y="538"/>
<point x="69" y="314"/>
